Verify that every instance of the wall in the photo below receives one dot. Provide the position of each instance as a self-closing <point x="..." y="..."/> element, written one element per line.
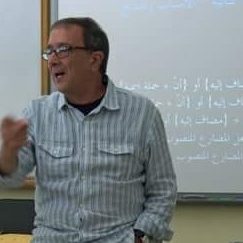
<point x="208" y="223"/>
<point x="16" y="194"/>
<point x="20" y="78"/>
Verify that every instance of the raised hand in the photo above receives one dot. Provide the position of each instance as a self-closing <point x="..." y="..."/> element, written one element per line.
<point x="13" y="133"/>
<point x="13" y="136"/>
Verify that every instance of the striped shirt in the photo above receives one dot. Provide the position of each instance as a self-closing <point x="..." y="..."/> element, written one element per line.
<point x="99" y="176"/>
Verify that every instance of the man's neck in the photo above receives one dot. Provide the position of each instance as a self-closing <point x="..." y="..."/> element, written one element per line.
<point x="87" y="95"/>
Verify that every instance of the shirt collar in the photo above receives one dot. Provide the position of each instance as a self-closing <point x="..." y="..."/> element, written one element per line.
<point x="62" y="102"/>
<point x="110" y="100"/>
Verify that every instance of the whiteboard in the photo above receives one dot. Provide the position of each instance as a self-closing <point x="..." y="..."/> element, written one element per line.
<point x="20" y="79"/>
<point x="187" y="56"/>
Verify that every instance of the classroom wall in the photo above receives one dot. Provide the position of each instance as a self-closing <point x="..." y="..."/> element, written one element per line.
<point x="20" y="67"/>
<point x="192" y="223"/>
<point x="208" y="223"/>
<point x="16" y="194"/>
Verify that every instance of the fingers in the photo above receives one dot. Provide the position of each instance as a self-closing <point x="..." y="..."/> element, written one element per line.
<point x="9" y="122"/>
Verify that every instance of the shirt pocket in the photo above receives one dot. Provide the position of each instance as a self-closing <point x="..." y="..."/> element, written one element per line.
<point x="117" y="161"/>
<point x="118" y="149"/>
<point x="55" y="160"/>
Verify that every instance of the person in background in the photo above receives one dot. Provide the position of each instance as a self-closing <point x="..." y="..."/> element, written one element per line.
<point x="103" y="168"/>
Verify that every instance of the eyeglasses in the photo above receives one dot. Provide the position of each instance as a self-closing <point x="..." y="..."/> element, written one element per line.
<point x="61" y="51"/>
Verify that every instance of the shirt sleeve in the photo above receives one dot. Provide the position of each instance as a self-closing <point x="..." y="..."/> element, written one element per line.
<point x="25" y="159"/>
<point x="160" y="185"/>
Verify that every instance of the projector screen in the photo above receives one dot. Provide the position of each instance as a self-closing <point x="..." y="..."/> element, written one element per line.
<point x="186" y="56"/>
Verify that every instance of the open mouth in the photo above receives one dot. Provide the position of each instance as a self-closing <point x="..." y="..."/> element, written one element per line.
<point x="59" y="75"/>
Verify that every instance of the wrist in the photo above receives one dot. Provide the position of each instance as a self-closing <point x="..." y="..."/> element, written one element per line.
<point x="8" y="160"/>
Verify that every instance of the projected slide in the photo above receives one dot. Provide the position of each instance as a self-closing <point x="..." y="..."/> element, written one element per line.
<point x="187" y="56"/>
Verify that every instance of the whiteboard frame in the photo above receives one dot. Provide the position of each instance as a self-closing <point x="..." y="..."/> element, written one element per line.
<point x="45" y="8"/>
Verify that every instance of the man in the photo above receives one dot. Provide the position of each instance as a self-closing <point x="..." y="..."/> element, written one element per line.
<point x="103" y="168"/>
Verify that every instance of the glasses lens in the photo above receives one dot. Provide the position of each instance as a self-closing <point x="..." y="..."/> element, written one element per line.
<point x="63" y="51"/>
<point x="46" y="53"/>
<point x="45" y="56"/>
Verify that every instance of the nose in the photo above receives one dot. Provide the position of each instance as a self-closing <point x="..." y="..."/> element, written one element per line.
<point x="52" y="60"/>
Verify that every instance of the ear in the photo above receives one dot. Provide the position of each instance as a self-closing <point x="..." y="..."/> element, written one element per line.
<point x="97" y="58"/>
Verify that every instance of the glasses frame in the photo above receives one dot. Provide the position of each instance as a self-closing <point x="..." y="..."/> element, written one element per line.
<point x="62" y="51"/>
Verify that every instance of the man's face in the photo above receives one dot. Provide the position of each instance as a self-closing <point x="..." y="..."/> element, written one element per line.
<point x="69" y="73"/>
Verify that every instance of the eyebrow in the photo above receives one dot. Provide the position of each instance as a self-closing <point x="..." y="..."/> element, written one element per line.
<point x="58" y="45"/>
